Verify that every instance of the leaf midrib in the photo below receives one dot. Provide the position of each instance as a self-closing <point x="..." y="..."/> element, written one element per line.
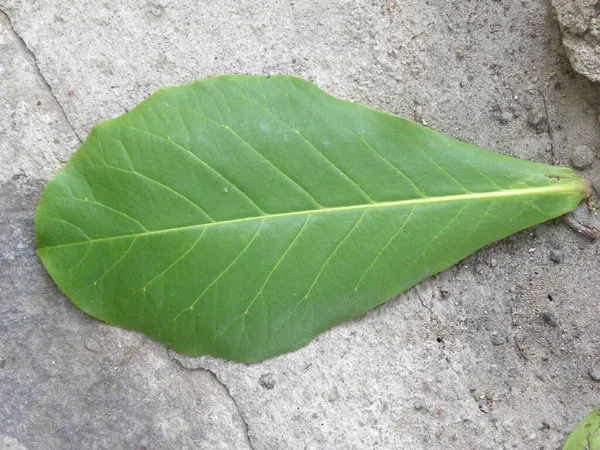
<point x="572" y="187"/>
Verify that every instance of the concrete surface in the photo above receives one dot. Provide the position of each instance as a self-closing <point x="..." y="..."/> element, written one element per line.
<point x="580" y="23"/>
<point x="500" y="351"/>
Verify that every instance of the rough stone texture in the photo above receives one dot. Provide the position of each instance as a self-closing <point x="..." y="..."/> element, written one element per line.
<point x="580" y="23"/>
<point x="464" y="360"/>
<point x="30" y="117"/>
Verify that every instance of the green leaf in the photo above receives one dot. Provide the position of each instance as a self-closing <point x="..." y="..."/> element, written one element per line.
<point x="586" y="435"/>
<point x="241" y="216"/>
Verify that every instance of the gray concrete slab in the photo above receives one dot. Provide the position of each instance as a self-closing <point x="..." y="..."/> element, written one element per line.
<point x="496" y="352"/>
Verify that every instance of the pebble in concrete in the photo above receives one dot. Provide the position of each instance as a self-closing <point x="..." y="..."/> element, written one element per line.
<point x="583" y="156"/>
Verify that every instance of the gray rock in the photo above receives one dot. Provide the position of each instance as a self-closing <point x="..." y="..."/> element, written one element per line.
<point x="583" y="156"/>
<point x="594" y="373"/>
<point x="497" y="338"/>
<point x="537" y="120"/>
<point x="267" y="381"/>
<point x="549" y="318"/>
<point x="556" y="256"/>
<point x="505" y="117"/>
<point x="580" y="24"/>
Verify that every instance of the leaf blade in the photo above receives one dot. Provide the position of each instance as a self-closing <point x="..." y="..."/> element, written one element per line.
<point x="305" y="207"/>
<point x="586" y="435"/>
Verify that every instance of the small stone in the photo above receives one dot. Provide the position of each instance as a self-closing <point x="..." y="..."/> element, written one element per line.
<point x="582" y="157"/>
<point x="505" y="117"/>
<point x="540" y="376"/>
<point x="549" y="318"/>
<point x="535" y="118"/>
<point x="537" y="121"/>
<point x="334" y="395"/>
<point x="493" y="263"/>
<point x="93" y="345"/>
<point x="420" y="406"/>
<point x="497" y="338"/>
<point x="594" y="373"/>
<point x="556" y="256"/>
<point x="419" y="114"/>
<point x="267" y="381"/>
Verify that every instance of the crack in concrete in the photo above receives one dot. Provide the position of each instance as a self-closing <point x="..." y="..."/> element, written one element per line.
<point x="218" y="380"/>
<point x="246" y="427"/>
<point x="549" y="131"/>
<point x="428" y="308"/>
<point x="39" y="71"/>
